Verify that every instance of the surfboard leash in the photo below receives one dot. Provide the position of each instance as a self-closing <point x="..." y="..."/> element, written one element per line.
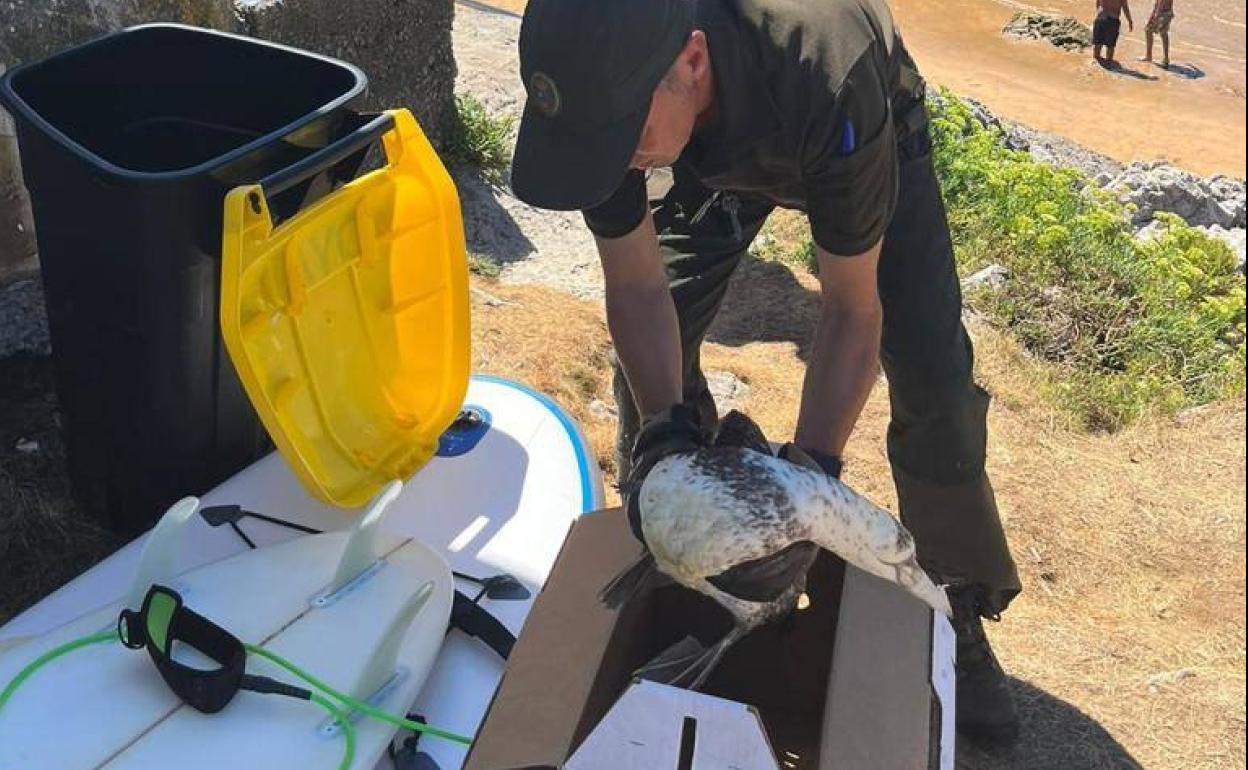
<point x="164" y="619"/>
<point x="467" y="614"/>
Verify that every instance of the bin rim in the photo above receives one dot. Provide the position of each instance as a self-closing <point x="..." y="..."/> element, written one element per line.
<point x="10" y="99"/>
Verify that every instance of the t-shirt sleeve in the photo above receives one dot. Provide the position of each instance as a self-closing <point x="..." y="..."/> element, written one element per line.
<point x="620" y="214"/>
<point x="849" y="160"/>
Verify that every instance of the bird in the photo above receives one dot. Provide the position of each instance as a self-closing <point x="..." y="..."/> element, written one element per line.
<point x="741" y="526"/>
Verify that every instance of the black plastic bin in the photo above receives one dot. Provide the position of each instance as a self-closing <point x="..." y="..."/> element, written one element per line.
<point x="128" y="146"/>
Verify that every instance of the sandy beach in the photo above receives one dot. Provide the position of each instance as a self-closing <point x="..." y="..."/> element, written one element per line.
<point x="1192" y="114"/>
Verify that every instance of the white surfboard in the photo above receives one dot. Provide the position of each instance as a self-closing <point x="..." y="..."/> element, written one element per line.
<point x="367" y="613"/>
<point x="503" y="506"/>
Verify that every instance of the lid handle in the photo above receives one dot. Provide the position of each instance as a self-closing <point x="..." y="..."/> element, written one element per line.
<point x="327" y="157"/>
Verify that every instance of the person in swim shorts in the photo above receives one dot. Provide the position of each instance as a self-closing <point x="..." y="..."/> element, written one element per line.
<point x="1107" y="26"/>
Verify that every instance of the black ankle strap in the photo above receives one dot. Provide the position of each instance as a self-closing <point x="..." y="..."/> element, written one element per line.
<point x="164" y="620"/>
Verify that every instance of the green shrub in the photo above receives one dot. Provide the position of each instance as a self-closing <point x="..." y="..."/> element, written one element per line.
<point x="484" y="266"/>
<point x="1133" y="325"/>
<point x="770" y="248"/>
<point x="475" y="137"/>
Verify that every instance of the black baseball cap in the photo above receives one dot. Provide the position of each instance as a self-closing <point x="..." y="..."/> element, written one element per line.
<point x="590" y="68"/>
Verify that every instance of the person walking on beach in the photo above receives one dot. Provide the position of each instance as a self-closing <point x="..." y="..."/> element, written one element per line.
<point x="1159" y="24"/>
<point x="1106" y="28"/>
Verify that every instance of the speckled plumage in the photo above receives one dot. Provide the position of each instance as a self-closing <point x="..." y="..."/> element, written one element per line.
<point x="706" y="512"/>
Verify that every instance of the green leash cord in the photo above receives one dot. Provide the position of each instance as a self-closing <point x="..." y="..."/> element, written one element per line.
<point x="50" y="656"/>
<point x="348" y="729"/>
<point x="357" y="705"/>
<point x="335" y="710"/>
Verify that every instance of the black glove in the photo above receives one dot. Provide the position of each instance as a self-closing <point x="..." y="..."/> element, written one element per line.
<point x="812" y="459"/>
<point x="669" y="432"/>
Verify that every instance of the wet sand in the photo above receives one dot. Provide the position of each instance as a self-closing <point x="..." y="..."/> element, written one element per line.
<point x="1192" y="115"/>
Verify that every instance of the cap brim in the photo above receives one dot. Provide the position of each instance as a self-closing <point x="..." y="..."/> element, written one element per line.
<point x="563" y="171"/>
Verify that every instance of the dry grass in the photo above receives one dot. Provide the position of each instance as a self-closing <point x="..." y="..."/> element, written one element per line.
<point x="1128" y="645"/>
<point x="44" y="542"/>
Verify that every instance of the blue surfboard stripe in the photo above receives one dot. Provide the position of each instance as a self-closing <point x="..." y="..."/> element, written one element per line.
<point x="583" y="457"/>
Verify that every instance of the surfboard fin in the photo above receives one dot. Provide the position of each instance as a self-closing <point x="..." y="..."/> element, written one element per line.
<point x="384" y="661"/>
<point x="361" y="550"/>
<point x="13" y="642"/>
<point x="156" y="562"/>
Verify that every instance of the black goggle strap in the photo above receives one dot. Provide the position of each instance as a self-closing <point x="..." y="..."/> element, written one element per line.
<point x="163" y="620"/>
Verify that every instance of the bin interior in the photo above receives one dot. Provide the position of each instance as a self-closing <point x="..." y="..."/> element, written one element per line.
<point x="162" y="99"/>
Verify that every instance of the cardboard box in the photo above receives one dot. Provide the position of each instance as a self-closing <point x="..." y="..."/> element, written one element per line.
<point x="861" y="679"/>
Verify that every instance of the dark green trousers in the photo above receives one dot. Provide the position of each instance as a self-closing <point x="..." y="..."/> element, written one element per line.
<point x="937" y="433"/>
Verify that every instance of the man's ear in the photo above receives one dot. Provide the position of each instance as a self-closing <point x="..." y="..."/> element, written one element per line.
<point x="696" y="54"/>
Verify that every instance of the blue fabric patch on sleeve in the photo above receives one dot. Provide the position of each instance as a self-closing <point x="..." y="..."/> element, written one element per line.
<point x="848" y="140"/>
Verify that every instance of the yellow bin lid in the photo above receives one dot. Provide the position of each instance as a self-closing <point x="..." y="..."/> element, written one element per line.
<point x="348" y="323"/>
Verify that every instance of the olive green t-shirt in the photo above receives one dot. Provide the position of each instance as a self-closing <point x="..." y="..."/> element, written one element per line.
<point x="805" y="97"/>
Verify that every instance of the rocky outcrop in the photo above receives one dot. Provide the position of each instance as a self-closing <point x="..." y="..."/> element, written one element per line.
<point x="1214" y="204"/>
<point x="17" y="227"/>
<point x="1153" y="186"/>
<point x="1062" y="31"/>
<point x="404" y="46"/>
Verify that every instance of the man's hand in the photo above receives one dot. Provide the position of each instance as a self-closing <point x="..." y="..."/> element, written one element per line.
<point x="674" y="430"/>
<point x="812" y="459"/>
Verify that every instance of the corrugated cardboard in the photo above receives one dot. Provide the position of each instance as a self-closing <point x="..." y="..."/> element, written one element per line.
<point x="844" y="684"/>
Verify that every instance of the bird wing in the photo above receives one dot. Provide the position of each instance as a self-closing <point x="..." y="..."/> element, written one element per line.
<point x="768" y="578"/>
<point x="638" y="578"/>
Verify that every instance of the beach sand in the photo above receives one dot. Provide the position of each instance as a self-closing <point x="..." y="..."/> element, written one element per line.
<point x="1192" y="115"/>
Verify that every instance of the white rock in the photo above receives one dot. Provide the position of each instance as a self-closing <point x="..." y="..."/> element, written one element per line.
<point x="601" y="410"/>
<point x="1228" y="214"/>
<point x="1153" y="186"/>
<point x="991" y="277"/>
<point x="728" y="389"/>
<point x="26" y="446"/>
<point x="1165" y="678"/>
<point x="1235" y="238"/>
<point x="1150" y="231"/>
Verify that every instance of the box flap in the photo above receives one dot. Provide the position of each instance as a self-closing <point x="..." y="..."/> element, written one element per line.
<point x="657" y="726"/>
<point x="549" y="683"/>
<point x="879" y="712"/>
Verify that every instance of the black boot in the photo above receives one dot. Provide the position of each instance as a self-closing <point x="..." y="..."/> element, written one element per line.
<point x="987" y="717"/>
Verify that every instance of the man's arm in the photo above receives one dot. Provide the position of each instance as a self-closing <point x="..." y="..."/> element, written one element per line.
<point x="844" y="361"/>
<point x="1126" y="11"/>
<point x="642" y="317"/>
